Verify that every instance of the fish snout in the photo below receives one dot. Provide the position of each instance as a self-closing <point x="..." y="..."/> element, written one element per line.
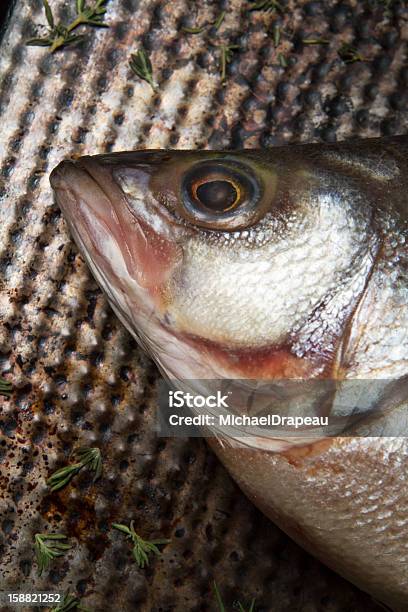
<point x="106" y="204"/>
<point x="78" y="191"/>
<point x="60" y="174"/>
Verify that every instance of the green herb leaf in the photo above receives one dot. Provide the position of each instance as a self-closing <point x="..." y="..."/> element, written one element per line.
<point x="62" y="477"/>
<point x="89" y="457"/>
<point x="226" y="54"/>
<point x="39" y="42"/>
<point x="142" y="67"/>
<point x="92" y="458"/>
<point x="218" y="598"/>
<point x="74" y="39"/>
<point x="48" y="547"/>
<point x="141" y="548"/>
<point x="217" y="23"/>
<point x="48" y="13"/>
<point x="123" y="528"/>
<point x="276" y="35"/>
<point x="80" y="5"/>
<point x="315" y="41"/>
<point x="197" y="30"/>
<point x="350" y="54"/>
<point x="6" y="388"/>
<point x="266" y="5"/>
<point x="282" y="60"/>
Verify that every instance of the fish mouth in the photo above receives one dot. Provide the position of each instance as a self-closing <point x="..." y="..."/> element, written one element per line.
<point x="116" y="235"/>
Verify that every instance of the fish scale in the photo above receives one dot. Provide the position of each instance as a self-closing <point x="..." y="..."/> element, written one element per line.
<point x="79" y="376"/>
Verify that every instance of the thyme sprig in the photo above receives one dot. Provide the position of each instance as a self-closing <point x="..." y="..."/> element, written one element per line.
<point x="59" y="35"/>
<point x="141" y="548"/>
<point x="226" y="54"/>
<point x="90" y="457"/>
<point x="225" y="51"/>
<point x="6" y="387"/>
<point x="48" y="546"/>
<point x="350" y="54"/>
<point x="221" y="606"/>
<point x="141" y="65"/>
<point x="266" y="5"/>
<point x="69" y="602"/>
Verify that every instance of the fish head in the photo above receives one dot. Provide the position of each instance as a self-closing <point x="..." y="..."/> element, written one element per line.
<point x="288" y="263"/>
<point x="218" y="261"/>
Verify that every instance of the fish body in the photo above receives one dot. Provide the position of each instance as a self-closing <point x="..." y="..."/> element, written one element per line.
<point x="281" y="264"/>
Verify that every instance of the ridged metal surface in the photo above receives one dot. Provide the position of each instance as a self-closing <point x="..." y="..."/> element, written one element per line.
<point x="79" y="378"/>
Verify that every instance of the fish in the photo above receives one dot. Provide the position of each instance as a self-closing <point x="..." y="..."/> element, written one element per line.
<point x="282" y="264"/>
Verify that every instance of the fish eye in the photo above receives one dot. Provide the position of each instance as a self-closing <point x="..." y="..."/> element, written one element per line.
<point x="219" y="195"/>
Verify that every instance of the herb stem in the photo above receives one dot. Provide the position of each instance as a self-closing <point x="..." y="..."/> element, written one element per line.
<point x="141" y="548"/>
<point x="218" y="598"/>
<point x="226" y="57"/>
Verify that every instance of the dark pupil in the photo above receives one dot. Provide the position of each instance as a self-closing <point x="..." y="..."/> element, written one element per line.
<point x="217" y="195"/>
